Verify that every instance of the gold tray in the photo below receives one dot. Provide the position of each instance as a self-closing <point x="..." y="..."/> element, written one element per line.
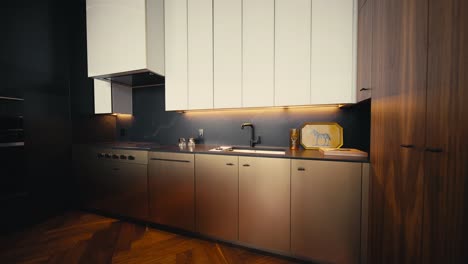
<point x="316" y="135"/>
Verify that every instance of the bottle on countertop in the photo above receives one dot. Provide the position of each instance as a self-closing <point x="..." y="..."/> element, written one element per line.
<point x="294" y="139"/>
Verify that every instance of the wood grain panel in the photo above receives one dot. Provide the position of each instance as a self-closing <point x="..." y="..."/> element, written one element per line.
<point x="446" y="195"/>
<point x="364" y="53"/>
<point x="77" y="237"/>
<point x="398" y="111"/>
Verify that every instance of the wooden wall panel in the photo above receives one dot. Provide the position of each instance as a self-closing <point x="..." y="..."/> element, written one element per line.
<point x="398" y="116"/>
<point x="446" y="194"/>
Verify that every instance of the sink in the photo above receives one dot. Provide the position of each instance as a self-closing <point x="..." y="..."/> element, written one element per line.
<point x="270" y="151"/>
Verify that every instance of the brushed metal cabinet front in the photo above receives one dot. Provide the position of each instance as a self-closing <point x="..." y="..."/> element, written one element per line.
<point x="217" y="195"/>
<point x="126" y="189"/>
<point x="326" y="210"/>
<point x="172" y="188"/>
<point x="264" y="203"/>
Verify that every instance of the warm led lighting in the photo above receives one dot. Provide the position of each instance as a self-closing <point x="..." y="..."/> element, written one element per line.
<point x="263" y="109"/>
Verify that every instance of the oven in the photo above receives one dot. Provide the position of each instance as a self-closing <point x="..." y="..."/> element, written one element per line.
<point x="12" y="154"/>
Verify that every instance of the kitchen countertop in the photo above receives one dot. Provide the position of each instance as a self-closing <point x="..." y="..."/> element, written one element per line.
<point x="290" y="154"/>
<point x="205" y="149"/>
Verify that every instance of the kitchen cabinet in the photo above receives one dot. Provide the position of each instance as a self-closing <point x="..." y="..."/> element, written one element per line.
<point x="112" y="185"/>
<point x="172" y="189"/>
<point x="200" y="54"/>
<point x="418" y="128"/>
<point x="124" y="37"/>
<point x="175" y="15"/>
<point x="261" y="53"/>
<point x="364" y="52"/>
<point x="264" y="203"/>
<point x="258" y="53"/>
<point x="292" y="52"/>
<point x="112" y="98"/>
<point x="227" y="39"/>
<point x="326" y="210"/>
<point x="333" y="52"/>
<point x="217" y="196"/>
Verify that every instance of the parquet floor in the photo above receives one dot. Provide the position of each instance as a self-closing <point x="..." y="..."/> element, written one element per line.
<point x="78" y="237"/>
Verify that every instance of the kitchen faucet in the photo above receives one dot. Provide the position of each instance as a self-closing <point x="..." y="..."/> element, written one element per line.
<point x="253" y="141"/>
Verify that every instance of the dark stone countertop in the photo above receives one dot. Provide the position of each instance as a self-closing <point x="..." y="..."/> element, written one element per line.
<point x="205" y="149"/>
<point x="290" y="154"/>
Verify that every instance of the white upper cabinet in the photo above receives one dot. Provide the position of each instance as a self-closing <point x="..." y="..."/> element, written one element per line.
<point x="112" y="98"/>
<point x="125" y="36"/>
<point x="200" y="54"/>
<point x="227" y="34"/>
<point x="175" y="14"/>
<point x="334" y="49"/>
<point x="258" y="43"/>
<point x="260" y="53"/>
<point x="292" y="52"/>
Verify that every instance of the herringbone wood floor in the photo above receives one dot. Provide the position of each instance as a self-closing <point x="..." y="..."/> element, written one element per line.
<point x="78" y="237"/>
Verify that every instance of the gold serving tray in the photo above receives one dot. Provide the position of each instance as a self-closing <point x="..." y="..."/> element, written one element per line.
<point x="315" y="135"/>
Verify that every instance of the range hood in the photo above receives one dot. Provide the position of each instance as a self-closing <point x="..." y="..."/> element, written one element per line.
<point x="125" y="41"/>
<point x="135" y="79"/>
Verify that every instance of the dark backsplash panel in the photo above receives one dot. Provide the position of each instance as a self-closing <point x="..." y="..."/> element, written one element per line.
<point x="152" y="123"/>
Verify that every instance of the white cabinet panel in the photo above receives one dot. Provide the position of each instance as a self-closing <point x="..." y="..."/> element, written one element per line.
<point x="112" y="98"/>
<point x="258" y="43"/>
<point x="109" y="50"/>
<point x="124" y="36"/>
<point x="200" y="54"/>
<point x="227" y="27"/>
<point x="292" y="52"/>
<point x="333" y="68"/>
<point x="102" y="97"/>
<point x="176" y="54"/>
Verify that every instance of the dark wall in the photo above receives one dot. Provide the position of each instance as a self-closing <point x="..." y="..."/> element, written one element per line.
<point x="87" y="127"/>
<point x="152" y="123"/>
<point x="34" y="63"/>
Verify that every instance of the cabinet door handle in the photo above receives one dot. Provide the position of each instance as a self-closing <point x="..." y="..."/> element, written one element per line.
<point x="301" y="169"/>
<point x="230" y="164"/>
<point x="246" y="165"/>
<point x="171" y="160"/>
<point x="434" y="150"/>
<point x="365" y="89"/>
<point x="406" y="146"/>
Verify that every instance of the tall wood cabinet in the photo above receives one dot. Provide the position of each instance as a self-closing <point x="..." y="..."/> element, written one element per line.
<point x="419" y="157"/>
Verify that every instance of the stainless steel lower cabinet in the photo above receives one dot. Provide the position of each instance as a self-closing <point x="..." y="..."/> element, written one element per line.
<point x="326" y="210"/>
<point x="217" y="195"/>
<point x="264" y="203"/>
<point x="171" y="189"/>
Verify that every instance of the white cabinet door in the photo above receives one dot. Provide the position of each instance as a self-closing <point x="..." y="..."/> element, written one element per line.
<point x="258" y="42"/>
<point x="333" y="68"/>
<point x="292" y="52"/>
<point x="116" y="36"/>
<point x="102" y="97"/>
<point x="227" y="19"/>
<point x="176" y="55"/>
<point x="200" y="54"/>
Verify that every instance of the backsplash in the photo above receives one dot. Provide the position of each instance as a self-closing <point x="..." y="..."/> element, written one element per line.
<point x="150" y="122"/>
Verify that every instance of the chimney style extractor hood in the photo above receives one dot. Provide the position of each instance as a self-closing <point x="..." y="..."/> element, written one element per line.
<point x="126" y="41"/>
